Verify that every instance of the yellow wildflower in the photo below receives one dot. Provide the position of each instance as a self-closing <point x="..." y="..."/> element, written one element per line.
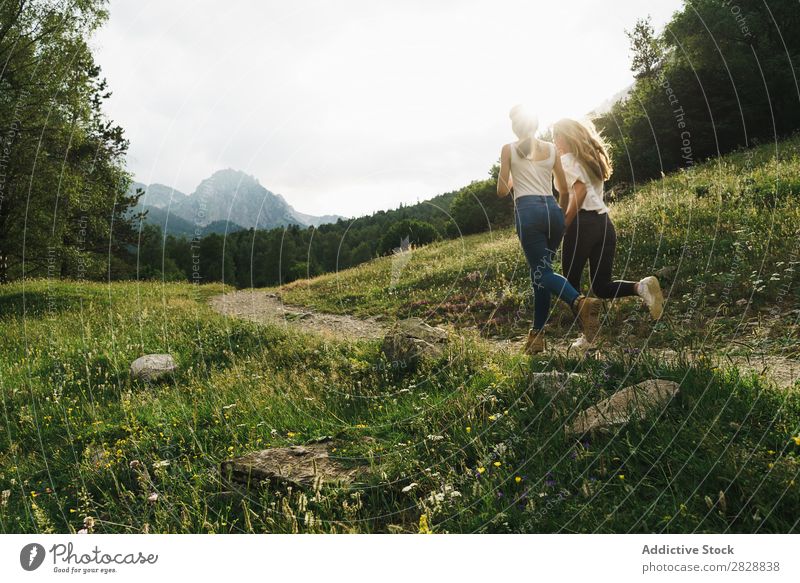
<point x="481" y="470"/>
<point x="423" y="525"/>
<point x="621" y="476"/>
<point x="498" y="464"/>
<point x="796" y="439"/>
<point x="469" y="429"/>
<point x="517" y="479"/>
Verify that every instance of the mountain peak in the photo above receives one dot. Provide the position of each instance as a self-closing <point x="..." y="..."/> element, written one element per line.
<point x="230" y="178"/>
<point x="233" y="173"/>
<point x="235" y="197"/>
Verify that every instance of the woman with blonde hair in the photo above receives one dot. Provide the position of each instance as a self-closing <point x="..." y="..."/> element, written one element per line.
<point x="590" y="234"/>
<point x="527" y="168"/>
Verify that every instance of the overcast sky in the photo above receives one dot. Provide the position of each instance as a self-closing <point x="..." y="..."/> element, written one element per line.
<point x="352" y="106"/>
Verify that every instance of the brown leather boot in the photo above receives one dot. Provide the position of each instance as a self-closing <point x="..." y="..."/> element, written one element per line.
<point x="535" y="342"/>
<point x="588" y="311"/>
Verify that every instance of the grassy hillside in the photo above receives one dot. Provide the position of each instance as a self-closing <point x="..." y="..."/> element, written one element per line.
<point x="461" y="444"/>
<point x="486" y="452"/>
<point x="726" y="232"/>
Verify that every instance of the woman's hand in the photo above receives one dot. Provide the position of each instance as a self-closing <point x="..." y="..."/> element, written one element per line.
<point x="504" y="179"/>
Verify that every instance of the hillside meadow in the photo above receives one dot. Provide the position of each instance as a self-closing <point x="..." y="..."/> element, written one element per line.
<point x="463" y="442"/>
<point x="721" y="236"/>
<point x="483" y="451"/>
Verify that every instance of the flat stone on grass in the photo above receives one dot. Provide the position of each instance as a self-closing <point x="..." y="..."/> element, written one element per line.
<point x="303" y="466"/>
<point x="630" y="403"/>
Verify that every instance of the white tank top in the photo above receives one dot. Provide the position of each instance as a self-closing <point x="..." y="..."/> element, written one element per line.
<point x="532" y="177"/>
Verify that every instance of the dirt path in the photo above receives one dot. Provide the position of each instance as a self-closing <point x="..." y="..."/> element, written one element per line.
<point x="784" y="371"/>
<point x="267" y="308"/>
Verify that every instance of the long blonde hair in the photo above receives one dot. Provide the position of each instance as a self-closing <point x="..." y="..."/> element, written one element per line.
<point x="524" y="124"/>
<point x="587" y="145"/>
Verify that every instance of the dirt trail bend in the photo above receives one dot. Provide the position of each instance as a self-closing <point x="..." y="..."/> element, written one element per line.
<point x="267" y="308"/>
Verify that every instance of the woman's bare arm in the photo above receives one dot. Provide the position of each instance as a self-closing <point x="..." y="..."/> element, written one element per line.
<point x="504" y="180"/>
<point x="561" y="185"/>
<point x="575" y="203"/>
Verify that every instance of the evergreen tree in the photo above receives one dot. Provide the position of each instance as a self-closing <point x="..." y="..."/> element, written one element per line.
<point x="645" y="48"/>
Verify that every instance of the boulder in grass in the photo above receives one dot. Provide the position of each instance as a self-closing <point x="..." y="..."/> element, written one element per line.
<point x="666" y="273"/>
<point x="553" y="382"/>
<point x="628" y="404"/>
<point x="303" y="466"/>
<point x="153" y="367"/>
<point x="408" y="341"/>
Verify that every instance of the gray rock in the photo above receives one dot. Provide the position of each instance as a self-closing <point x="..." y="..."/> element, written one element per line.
<point x="666" y="273"/>
<point x="153" y="367"/>
<point x="625" y="405"/>
<point x="553" y="382"/>
<point x="408" y="341"/>
<point x="304" y="466"/>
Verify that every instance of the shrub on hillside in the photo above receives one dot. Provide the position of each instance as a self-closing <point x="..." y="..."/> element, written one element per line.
<point x="477" y="208"/>
<point x="418" y="233"/>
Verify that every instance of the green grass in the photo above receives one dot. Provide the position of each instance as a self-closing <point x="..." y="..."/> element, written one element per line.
<point x="73" y="421"/>
<point x="729" y="229"/>
<point x="485" y="451"/>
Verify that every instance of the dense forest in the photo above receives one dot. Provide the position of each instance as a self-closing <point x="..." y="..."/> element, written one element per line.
<point x="720" y="76"/>
<point x="267" y="257"/>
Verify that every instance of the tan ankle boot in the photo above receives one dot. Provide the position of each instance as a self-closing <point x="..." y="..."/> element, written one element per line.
<point x="588" y="310"/>
<point x="535" y="342"/>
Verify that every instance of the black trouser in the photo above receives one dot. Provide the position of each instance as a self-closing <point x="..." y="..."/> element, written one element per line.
<point x="591" y="237"/>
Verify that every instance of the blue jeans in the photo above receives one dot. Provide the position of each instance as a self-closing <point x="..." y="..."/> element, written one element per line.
<point x="540" y="228"/>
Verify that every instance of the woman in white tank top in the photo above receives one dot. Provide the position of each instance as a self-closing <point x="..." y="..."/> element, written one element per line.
<point x="532" y="176"/>
<point x="527" y="168"/>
